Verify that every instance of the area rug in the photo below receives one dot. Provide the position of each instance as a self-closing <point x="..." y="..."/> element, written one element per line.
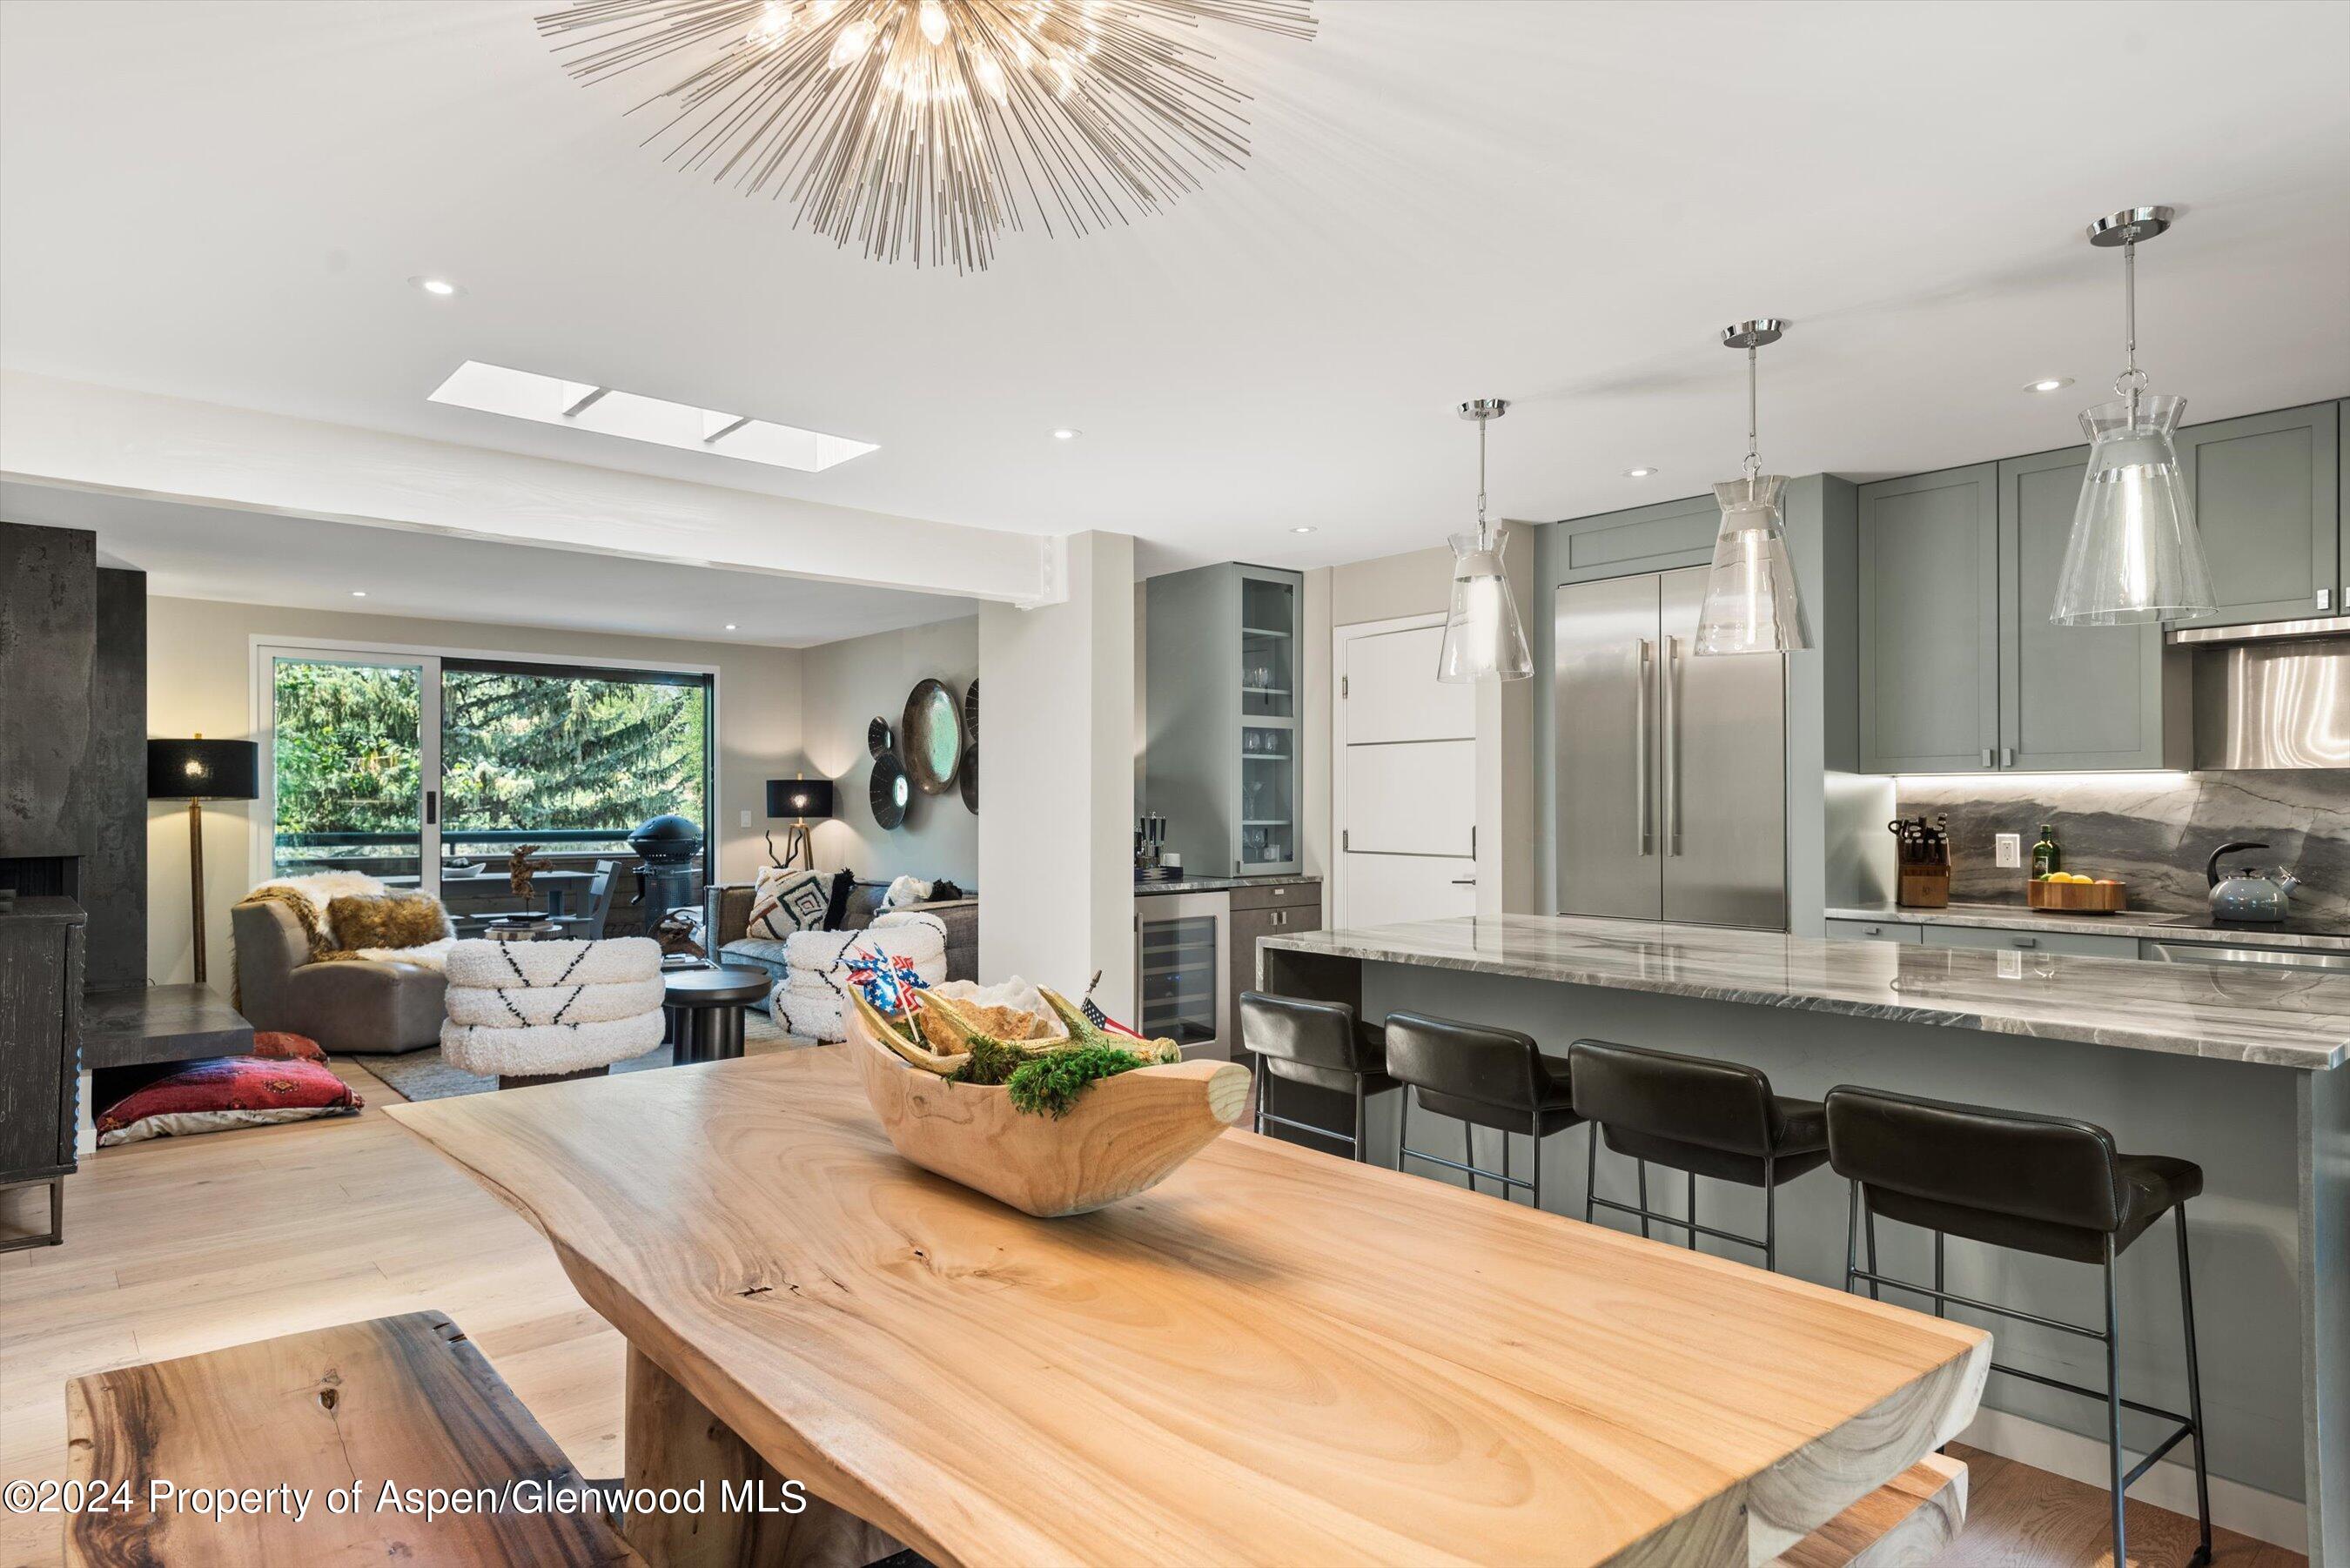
<point x="423" y="1075"/>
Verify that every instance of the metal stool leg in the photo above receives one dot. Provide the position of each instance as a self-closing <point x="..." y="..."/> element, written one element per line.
<point x="1692" y="1209"/>
<point x="1941" y="1307"/>
<point x="2194" y="1398"/>
<point x="1644" y="1199"/>
<point x="1264" y="1093"/>
<point x="1851" y="1230"/>
<point x="1362" y="1152"/>
<point x="1868" y="1224"/>
<point x="1769" y="1215"/>
<point x="1591" y="1174"/>
<point x="2113" y="1404"/>
<point x="1468" y="1155"/>
<point x="1533" y="1131"/>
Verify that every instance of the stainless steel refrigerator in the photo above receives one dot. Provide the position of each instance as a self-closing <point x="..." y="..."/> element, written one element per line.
<point x="1672" y="789"/>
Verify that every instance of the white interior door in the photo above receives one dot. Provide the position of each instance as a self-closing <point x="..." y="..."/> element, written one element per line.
<point x="1404" y="787"/>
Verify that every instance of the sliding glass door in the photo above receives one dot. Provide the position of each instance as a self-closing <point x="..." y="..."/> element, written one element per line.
<point x="430" y="770"/>
<point x="352" y="755"/>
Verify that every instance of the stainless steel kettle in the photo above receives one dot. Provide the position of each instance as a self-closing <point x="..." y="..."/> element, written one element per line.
<point x="2247" y="893"/>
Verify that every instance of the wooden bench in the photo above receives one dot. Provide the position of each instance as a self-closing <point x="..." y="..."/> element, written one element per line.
<point x="1909" y="1519"/>
<point x="405" y="1400"/>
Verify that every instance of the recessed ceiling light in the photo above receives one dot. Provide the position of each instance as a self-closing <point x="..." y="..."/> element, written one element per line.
<point x="358" y="593"/>
<point x="2048" y="384"/>
<point x="438" y="288"/>
<point x="1065" y="433"/>
<point x="1638" y="473"/>
<point x="1302" y="530"/>
<point x="608" y="411"/>
<point x="730" y="626"/>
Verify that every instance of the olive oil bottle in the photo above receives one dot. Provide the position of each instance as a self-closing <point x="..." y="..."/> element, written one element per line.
<point x="2047" y="856"/>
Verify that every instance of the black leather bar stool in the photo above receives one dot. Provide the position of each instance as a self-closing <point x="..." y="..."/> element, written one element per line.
<point x="1317" y="1043"/>
<point x="1488" y="1078"/>
<point x="2036" y="1184"/>
<point x="1715" y="1119"/>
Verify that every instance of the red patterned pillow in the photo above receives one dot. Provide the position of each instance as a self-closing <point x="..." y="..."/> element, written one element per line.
<point x="276" y="1046"/>
<point x="226" y="1092"/>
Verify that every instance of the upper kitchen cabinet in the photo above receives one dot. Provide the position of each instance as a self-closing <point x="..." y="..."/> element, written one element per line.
<point x="1928" y="572"/>
<point x="2074" y="696"/>
<point x="1223" y="670"/>
<point x="2267" y="501"/>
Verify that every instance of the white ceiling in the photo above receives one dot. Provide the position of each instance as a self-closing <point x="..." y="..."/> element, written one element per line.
<point x="255" y="557"/>
<point x="1556" y="203"/>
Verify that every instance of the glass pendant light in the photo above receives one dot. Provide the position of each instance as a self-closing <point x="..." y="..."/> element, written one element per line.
<point x="2134" y="554"/>
<point x="1751" y="602"/>
<point x="1482" y="633"/>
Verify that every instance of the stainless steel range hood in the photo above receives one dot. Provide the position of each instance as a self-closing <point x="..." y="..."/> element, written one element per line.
<point x="2272" y="696"/>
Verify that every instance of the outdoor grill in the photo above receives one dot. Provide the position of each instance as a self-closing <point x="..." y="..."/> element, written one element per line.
<point x="671" y="848"/>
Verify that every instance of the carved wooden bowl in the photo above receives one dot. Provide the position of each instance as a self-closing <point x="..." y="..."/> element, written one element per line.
<point x="1125" y="1134"/>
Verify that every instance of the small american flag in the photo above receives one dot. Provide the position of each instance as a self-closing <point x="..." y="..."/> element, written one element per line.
<point x="888" y="982"/>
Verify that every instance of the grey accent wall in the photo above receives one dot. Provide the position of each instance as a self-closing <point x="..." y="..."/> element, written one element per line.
<point x="2154" y="832"/>
<point x="844" y="685"/>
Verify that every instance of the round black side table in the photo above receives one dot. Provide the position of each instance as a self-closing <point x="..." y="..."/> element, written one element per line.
<point x="704" y="1010"/>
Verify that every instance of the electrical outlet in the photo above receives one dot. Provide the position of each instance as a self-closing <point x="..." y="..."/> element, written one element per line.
<point x="2007" y="849"/>
<point x="2010" y="965"/>
<point x="747" y="821"/>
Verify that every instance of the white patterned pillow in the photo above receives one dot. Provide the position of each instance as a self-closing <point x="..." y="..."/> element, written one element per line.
<point x="784" y="903"/>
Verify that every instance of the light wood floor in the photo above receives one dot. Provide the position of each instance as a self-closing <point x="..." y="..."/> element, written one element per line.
<point x="186" y="1245"/>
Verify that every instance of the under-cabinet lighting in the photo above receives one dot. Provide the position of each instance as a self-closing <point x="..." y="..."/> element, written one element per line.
<point x="2155" y="776"/>
<point x="608" y="411"/>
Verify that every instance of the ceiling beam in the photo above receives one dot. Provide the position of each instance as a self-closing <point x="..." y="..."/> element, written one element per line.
<point x="88" y="437"/>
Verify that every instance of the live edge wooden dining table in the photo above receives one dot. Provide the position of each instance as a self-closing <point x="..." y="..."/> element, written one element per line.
<point x="1274" y="1356"/>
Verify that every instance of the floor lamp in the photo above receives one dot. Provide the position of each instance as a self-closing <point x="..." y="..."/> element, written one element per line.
<point x="801" y="801"/>
<point x="196" y="770"/>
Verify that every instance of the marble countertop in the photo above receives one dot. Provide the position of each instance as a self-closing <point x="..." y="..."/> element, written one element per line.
<point x="2303" y="934"/>
<point x="2290" y="1018"/>
<point x="1214" y="884"/>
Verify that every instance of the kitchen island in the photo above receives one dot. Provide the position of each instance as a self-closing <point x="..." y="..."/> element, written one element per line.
<point x="2240" y="1071"/>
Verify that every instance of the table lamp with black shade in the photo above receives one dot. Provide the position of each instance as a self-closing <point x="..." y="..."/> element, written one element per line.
<point x="196" y="770"/>
<point x="801" y="801"/>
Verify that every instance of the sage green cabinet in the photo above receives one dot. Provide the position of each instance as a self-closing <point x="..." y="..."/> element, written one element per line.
<point x="2268" y="500"/>
<point x="2082" y="698"/>
<point x="1927" y="557"/>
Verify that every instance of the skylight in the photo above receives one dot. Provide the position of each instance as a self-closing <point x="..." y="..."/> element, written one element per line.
<point x="606" y="411"/>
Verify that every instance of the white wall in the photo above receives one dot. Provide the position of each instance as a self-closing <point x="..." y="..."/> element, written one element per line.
<point x="1055" y="845"/>
<point x="200" y="680"/>
<point x="844" y="686"/>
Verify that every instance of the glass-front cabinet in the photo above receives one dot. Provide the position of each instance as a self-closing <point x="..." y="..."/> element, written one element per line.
<point x="1223" y="673"/>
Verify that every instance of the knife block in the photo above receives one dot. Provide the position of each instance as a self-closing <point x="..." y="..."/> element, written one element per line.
<point x="1924" y="887"/>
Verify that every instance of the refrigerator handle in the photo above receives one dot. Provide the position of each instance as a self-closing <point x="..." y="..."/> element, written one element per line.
<point x="1671" y="764"/>
<point x="1641" y="753"/>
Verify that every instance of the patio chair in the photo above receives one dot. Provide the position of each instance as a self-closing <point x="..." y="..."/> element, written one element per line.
<point x="590" y="926"/>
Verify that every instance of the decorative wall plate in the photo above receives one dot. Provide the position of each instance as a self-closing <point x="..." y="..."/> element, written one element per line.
<point x="971" y="714"/>
<point x="970" y="778"/>
<point x="929" y="739"/>
<point x="878" y="738"/>
<point x="888" y="791"/>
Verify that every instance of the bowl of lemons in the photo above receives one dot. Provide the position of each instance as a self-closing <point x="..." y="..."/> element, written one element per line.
<point x="2074" y="893"/>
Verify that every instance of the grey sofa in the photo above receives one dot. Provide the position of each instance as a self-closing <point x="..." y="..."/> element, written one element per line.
<point x="350" y="1004"/>
<point x="726" y="912"/>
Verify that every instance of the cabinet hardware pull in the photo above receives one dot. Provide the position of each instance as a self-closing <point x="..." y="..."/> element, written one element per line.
<point x="1639" y="754"/>
<point x="2007" y="758"/>
<point x="2025" y="941"/>
<point x="1986" y="758"/>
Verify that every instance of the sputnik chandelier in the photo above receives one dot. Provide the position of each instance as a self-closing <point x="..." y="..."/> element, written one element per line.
<point x="924" y="127"/>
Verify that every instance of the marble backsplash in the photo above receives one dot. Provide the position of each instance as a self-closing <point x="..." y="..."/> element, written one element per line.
<point x="2153" y="832"/>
